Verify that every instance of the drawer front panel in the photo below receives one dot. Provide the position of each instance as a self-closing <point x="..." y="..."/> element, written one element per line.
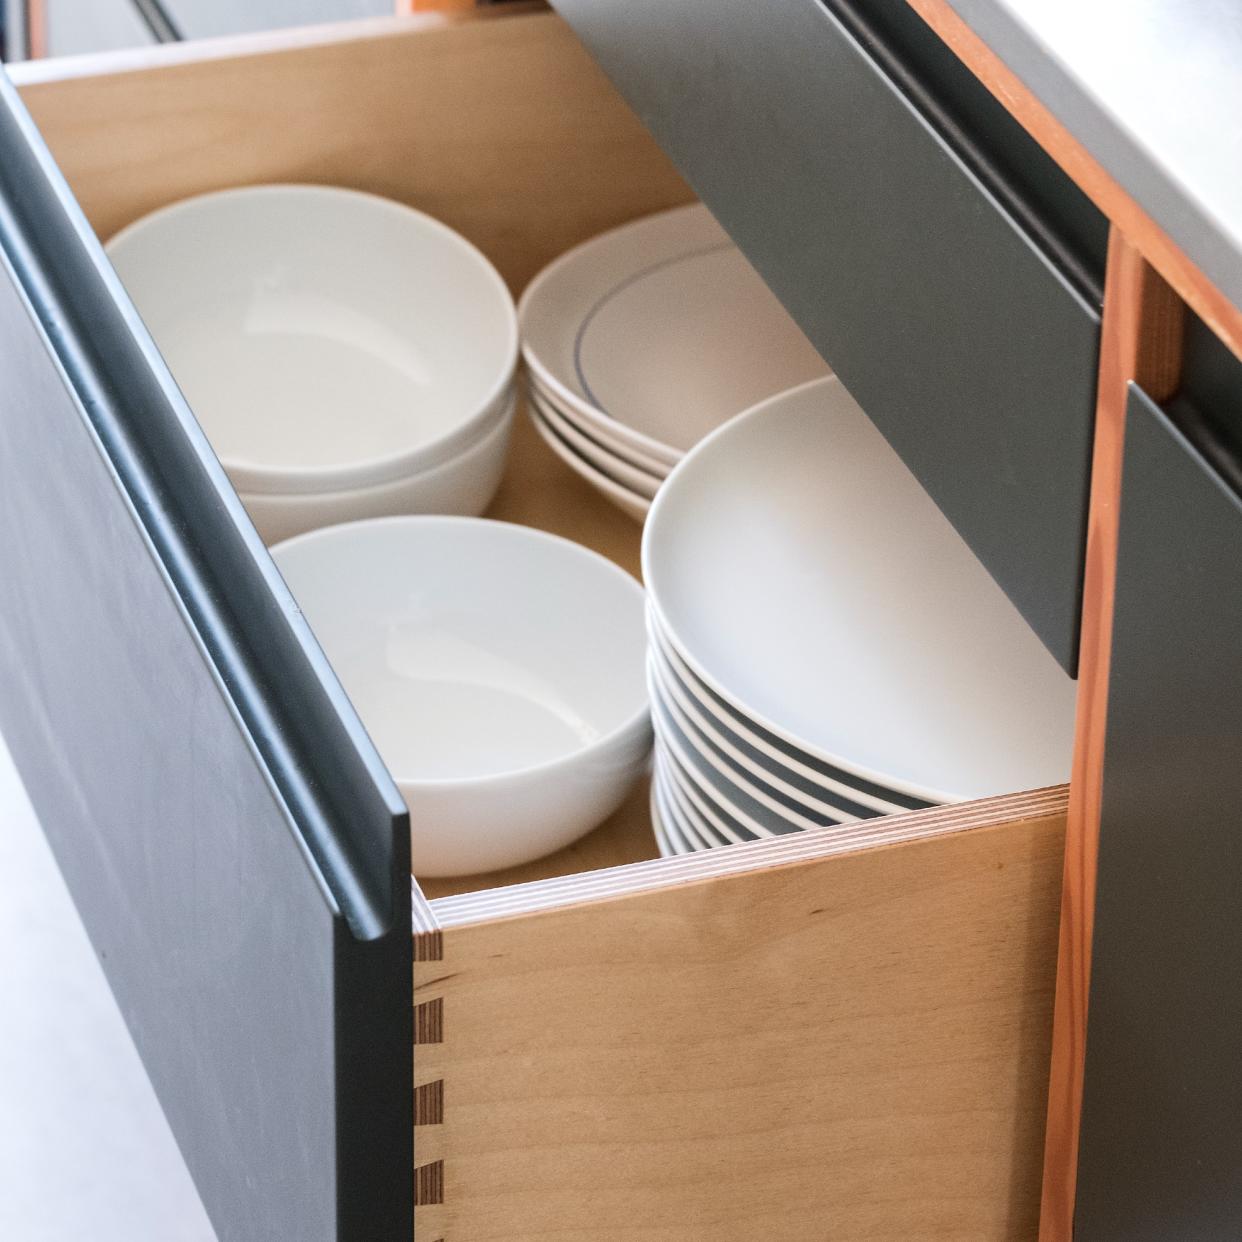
<point x="970" y="347"/>
<point x="1161" y="1147"/>
<point x="237" y="853"/>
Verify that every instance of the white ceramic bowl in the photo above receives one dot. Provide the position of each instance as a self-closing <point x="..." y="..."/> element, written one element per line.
<point x="499" y="670"/>
<point x="659" y="331"/>
<point x="801" y="572"/>
<point x="463" y="485"/>
<point x="326" y="339"/>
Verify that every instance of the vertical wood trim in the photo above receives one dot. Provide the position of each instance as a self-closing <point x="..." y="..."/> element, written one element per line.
<point x="1076" y="161"/>
<point x="36" y="29"/>
<point x="1141" y="342"/>
<point x="405" y="7"/>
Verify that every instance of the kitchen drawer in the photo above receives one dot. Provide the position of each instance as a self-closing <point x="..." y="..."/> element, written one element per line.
<point x="940" y="262"/>
<point x="842" y="1033"/>
<point x="1160" y="1142"/>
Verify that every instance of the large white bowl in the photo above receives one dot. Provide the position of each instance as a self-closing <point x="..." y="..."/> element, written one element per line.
<point x="659" y="331"/>
<point x="463" y="485"/>
<point x="325" y="338"/>
<point x="499" y="670"/>
<point x="799" y="570"/>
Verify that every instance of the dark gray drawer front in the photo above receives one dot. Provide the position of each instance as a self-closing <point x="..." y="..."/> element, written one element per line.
<point x="238" y="855"/>
<point x="972" y="350"/>
<point x="1161" y="1143"/>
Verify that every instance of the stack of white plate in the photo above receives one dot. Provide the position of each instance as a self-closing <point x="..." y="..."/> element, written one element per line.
<point x="823" y="646"/>
<point x="640" y="342"/>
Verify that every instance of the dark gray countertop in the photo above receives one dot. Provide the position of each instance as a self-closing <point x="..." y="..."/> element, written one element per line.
<point x="1153" y="89"/>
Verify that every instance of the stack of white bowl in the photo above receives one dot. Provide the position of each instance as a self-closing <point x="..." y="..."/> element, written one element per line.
<point x="346" y="356"/>
<point x="823" y="646"/>
<point x="641" y="341"/>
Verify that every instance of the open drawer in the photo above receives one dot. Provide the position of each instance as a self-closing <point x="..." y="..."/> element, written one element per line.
<point x="842" y="1033"/>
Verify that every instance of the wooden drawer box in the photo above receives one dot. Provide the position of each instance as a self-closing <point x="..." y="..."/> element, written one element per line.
<point x="840" y="1034"/>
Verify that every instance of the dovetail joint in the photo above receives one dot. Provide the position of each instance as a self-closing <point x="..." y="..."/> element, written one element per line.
<point x="429" y="1103"/>
<point x="429" y="1022"/>
<point x="429" y="1184"/>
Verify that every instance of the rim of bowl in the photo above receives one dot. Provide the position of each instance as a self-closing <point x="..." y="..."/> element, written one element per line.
<point x="254" y="478"/>
<point x="487" y="436"/>
<point x="539" y="368"/>
<point x="635" y="721"/>
<point x="650" y="533"/>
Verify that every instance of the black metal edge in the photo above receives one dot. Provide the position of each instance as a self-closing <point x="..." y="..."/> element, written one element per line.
<point x="342" y="801"/>
<point x="15" y="44"/>
<point x="900" y="43"/>
<point x="158" y="21"/>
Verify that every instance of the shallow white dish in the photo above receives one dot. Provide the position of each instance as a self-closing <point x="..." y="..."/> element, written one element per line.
<point x="816" y="788"/>
<point x="662" y="329"/>
<point x="324" y="338"/>
<point x="681" y="839"/>
<point x="463" y="485"/>
<point x="802" y="573"/>
<point x="668" y="837"/>
<point x="642" y="482"/>
<point x="629" y="502"/>
<point x="603" y="432"/>
<point x="768" y="804"/>
<point x="499" y="670"/>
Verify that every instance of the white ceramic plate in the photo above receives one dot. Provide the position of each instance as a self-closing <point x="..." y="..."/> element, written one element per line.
<point x="701" y="818"/>
<point x="692" y="837"/>
<point x="324" y="338"/>
<point x="802" y="573"/>
<point x="818" y="789"/>
<point x="663" y="327"/>
<point x="765" y="802"/>
<point x="629" y="502"/>
<point x="608" y="435"/>
<point x="640" y="481"/>
<point x="499" y="669"/>
<point x="669" y="835"/>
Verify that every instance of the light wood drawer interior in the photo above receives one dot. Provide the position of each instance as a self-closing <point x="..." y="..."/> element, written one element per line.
<point x="839" y="1034"/>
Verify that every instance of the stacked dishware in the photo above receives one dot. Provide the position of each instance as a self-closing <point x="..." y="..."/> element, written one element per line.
<point x="346" y="355"/>
<point x="641" y="341"/>
<point x="822" y="645"/>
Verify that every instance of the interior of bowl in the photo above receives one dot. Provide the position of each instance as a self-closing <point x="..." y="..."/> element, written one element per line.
<point x="803" y="573"/>
<point x="472" y="648"/>
<point x="319" y="334"/>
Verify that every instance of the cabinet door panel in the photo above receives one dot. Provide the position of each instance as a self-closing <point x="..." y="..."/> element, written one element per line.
<point x="1161" y="1146"/>
<point x="909" y="258"/>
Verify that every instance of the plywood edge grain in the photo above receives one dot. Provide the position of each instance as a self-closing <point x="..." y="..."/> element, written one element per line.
<point x="1142" y="232"/>
<point x="797" y="849"/>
